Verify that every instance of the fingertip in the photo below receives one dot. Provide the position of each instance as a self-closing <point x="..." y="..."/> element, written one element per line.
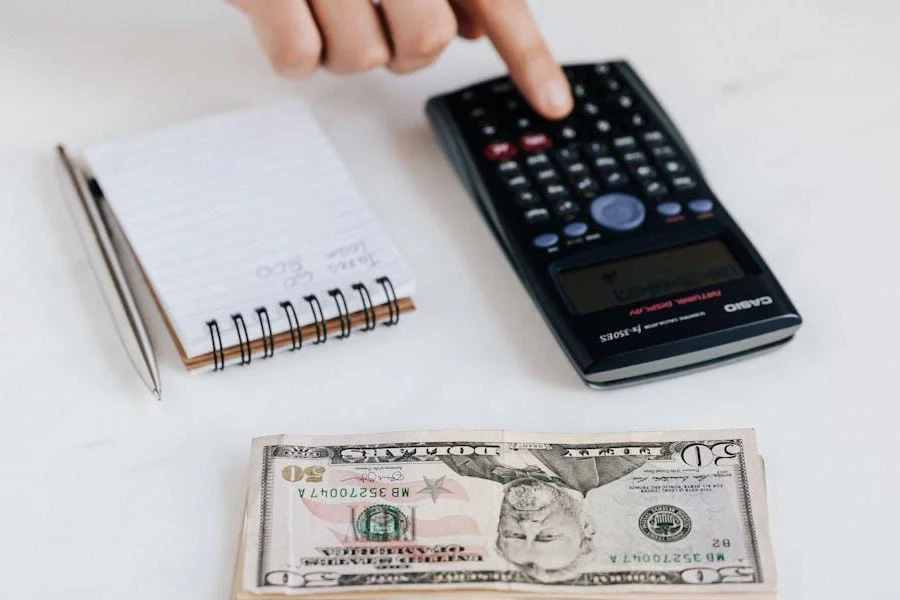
<point x="550" y="96"/>
<point x="555" y="100"/>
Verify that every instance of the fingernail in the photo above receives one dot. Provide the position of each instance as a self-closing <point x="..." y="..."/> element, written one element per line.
<point x="557" y="97"/>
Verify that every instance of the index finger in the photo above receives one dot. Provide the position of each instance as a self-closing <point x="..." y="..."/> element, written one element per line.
<point x="514" y="33"/>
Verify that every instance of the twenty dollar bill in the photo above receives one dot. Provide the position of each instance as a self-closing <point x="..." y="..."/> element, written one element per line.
<point x="505" y="514"/>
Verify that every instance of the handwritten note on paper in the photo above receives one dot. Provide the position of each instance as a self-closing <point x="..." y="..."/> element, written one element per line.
<point x="351" y="258"/>
<point x="239" y="211"/>
<point x="289" y="273"/>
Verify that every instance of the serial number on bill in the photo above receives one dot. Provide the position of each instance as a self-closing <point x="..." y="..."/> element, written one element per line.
<point x="621" y="333"/>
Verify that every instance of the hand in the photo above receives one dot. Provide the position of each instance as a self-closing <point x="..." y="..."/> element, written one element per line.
<point x="350" y="36"/>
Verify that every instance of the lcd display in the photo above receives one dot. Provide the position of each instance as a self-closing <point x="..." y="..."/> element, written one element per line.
<point x="599" y="287"/>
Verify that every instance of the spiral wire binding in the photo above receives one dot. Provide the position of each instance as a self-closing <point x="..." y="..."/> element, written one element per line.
<point x="343" y="312"/>
<point x="289" y="312"/>
<point x="368" y="308"/>
<point x="268" y="339"/>
<point x="296" y="329"/>
<point x="321" y="325"/>
<point x="218" y="353"/>
<point x="393" y="304"/>
<point x="239" y="324"/>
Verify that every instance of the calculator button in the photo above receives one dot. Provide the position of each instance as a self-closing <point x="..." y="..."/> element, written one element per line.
<point x="508" y="168"/>
<point x="626" y="101"/>
<point x="488" y="129"/>
<point x="565" y="208"/>
<point x="590" y="109"/>
<point x="568" y="154"/>
<point x="669" y="209"/>
<point x="555" y="191"/>
<point x="527" y="199"/>
<point x="596" y="149"/>
<point x="545" y="240"/>
<point x="635" y="158"/>
<point x="502" y="87"/>
<point x="517" y="183"/>
<point x="576" y="229"/>
<point x="616" y="179"/>
<point x="537" y="215"/>
<point x="523" y="122"/>
<point x="673" y="167"/>
<point x="568" y="133"/>
<point x="685" y="182"/>
<point x="579" y="91"/>
<point x="606" y="163"/>
<point x="664" y="152"/>
<point x="603" y="126"/>
<point x="467" y="95"/>
<point x="500" y="151"/>
<point x="625" y="143"/>
<point x="638" y="120"/>
<point x="701" y="205"/>
<point x="537" y="160"/>
<point x="576" y="169"/>
<point x="654" y="138"/>
<point x="478" y="112"/>
<point x="645" y="172"/>
<point x="619" y="212"/>
<point x="603" y="69"/>
<point x="586" y="185"/>
<point x="612" y="85"/>
<point x="546" y="175"/>
<point x="534" y="142"/>
<point x="655" y="189"/>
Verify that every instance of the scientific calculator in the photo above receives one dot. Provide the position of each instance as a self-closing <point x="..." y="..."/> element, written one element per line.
<point x="607" y="218"/>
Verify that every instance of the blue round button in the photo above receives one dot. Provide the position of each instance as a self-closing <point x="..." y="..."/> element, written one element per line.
<point x="576" y="229"/>
<point x="619" y="212"/>
<point x="701" y="205"/>
<point x="545" y="240"/>
<point x="669" y="209"/>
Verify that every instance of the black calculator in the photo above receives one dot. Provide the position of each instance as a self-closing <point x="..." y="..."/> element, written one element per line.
<point x="614" y="231"/>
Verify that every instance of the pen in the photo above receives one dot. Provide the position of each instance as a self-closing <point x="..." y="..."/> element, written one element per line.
<point x="105" y="262"/>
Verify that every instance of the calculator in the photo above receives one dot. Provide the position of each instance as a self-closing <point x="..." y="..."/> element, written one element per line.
<point x="614" y="231"/>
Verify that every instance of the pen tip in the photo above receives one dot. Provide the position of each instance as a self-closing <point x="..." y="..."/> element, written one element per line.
<point x="157" y="394"/>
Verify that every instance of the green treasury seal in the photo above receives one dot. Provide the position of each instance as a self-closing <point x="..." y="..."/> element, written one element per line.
<point x="665" y="523"/>
<point x="382" y="523"/>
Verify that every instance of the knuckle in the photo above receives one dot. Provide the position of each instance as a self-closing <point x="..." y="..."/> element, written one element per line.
<point x="295" y="56"/>
<point x="432" y="40"/>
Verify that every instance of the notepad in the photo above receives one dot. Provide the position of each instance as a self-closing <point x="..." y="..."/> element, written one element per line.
<point x="252" y="234"/>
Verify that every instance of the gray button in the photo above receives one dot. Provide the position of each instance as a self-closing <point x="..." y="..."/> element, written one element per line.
<point x="546" y="240"/>
<point x="619" y="212"/>
<point x="669" y="209"/>
<point x="701" y="205"/>
<point x="537" y="215"/>
<point x="576" y="229"/>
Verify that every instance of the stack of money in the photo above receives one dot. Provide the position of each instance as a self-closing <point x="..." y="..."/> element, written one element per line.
<point x="503" y="515"/>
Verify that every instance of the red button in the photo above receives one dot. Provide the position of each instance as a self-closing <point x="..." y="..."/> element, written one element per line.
<point x="500" y="151"/>
<point x="534" y="142"/>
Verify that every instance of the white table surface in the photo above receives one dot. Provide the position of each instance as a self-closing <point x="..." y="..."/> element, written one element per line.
<point x="791" y="106"/>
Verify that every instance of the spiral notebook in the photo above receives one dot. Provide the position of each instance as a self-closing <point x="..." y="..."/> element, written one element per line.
<point x="251" y="235"/>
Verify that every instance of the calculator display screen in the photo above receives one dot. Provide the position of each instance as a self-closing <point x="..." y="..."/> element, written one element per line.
<point x="608" y="285"/>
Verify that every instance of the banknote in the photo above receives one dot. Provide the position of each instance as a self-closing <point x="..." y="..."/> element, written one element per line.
<point x="672" y="514"/>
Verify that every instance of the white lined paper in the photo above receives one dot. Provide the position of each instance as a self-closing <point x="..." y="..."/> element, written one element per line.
<point x="245" y="210"/>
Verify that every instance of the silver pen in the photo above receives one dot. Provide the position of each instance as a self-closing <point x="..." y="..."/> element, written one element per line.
<point x="106" y="265"/>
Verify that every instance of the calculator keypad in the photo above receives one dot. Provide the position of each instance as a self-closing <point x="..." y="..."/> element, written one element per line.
<point x="607" y="170"/>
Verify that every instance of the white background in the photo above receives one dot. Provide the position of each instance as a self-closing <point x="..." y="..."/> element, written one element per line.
<point x="792" y="108"/>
